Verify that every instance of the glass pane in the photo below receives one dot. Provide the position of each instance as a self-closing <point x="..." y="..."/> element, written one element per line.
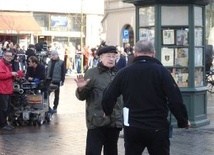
<point x="147" y="16"/>
<point x="198" y="16"/>
<point x="174" y="15"/>
<point x="182" y="37"/>
<point x="198" y="36"/>
<point x="198" y="77"/>
<point x="181" y="57"/>
<point x="198" y="57"/>
<point x="147" y="34"/>
<point x="180" y="76"/>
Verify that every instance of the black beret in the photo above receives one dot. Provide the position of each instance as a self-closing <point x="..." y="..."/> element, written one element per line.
<point x="107" y="49"/>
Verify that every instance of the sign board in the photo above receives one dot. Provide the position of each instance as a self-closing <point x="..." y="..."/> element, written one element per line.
<point x="125" y="36"/>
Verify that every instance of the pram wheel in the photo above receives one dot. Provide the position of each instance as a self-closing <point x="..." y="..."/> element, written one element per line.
<point x="40" y="120"/>
<point x="48" y="117"/>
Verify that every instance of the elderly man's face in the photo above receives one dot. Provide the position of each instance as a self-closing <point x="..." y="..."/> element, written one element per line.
<point x="108" y="59"/>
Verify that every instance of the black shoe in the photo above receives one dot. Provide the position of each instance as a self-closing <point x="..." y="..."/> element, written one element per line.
<point x="11" y="126"/>
<point x="7" y="128"/>
<point x="54" y="110"/>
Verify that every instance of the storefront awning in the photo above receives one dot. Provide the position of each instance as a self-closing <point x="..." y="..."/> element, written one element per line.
<point x="18" y="23"/>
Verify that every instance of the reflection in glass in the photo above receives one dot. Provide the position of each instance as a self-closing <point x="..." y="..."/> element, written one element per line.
<point x="180" y="76"/>
<point x="147" y="16"/>
<point x="147" y="34"/>
<point x="198" y="77"/>
<point x="198" y="56"/>
<point x="181" y="57"/>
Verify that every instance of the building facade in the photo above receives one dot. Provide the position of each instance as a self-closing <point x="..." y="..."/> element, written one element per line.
<point x="119" y="23"/>
<point x="74" y="21"/>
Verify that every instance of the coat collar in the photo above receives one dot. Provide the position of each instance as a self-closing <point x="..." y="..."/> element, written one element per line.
<point x="146" y="59"/>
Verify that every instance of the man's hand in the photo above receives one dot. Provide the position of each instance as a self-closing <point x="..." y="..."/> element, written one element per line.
<point x="81" y="82"/>
<point x="61" y="83"/>
<point x="14" y="73"/>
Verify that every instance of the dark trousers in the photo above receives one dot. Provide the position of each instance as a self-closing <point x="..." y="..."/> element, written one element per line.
<point x="56" y="97"/>
<point x="136" y="140"/>
<point x="99" y="137"/>
<point x="4" y="99"/>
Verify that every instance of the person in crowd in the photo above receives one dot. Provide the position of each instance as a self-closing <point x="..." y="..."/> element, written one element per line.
<point x="56" y="74"/>
<point x="14" y="61"/>
<point x="36" y="73"/>
<point x="35" y="70"/>
<point x="78" y="59"/>
<point x="96" y="58"/>
<point x="67" y="61"/>
<point x="149" y="92"/>
<point x="20" y="56"/>
<point x="30" y="51"/>
<point x="120" y="61"/>
<point x="6" y="87"/>
<point x="103" y="132"/>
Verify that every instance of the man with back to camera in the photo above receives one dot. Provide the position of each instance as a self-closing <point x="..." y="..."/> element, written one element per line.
<point x="102" y="132"/>
<point x="149" y="92"/>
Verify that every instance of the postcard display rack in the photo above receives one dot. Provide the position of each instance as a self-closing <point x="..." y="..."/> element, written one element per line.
<point x="177" y="32"/>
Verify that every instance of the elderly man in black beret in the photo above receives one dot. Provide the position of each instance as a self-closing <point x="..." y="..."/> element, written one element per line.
<point x="102" y="131"/>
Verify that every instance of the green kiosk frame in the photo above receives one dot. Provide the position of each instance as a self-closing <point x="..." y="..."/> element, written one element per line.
<point x="177" y="29"/>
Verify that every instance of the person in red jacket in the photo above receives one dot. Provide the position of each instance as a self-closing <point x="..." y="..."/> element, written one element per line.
<point x="6" y="87"/>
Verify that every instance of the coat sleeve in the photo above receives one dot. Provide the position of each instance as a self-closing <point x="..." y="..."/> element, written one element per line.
<point x="175" y="100"/>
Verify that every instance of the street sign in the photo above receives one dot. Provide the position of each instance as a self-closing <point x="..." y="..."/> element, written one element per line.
<point x="125" y="34"/>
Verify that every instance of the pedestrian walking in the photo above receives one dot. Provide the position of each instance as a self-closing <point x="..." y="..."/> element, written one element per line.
<point x="56" y="74"/>
<point x="149" y="92"/>
<point x="103" y="131"/>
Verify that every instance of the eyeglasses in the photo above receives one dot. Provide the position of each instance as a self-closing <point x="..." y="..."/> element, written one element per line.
<point x="110" y="56"/>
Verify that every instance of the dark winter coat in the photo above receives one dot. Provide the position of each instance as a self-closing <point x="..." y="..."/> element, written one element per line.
<point x="149" y="91"/>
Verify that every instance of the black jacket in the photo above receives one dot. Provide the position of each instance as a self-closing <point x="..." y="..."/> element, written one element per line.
<point x="148" y="91"/>
<point x="39" y="72"/>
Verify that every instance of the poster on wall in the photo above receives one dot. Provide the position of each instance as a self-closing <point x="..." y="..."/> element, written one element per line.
<point x="167" y="56"/>
<point x="168" y="37"/>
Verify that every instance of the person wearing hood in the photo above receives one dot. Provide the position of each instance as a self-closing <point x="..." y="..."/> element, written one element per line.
<point x="102" y="131"/>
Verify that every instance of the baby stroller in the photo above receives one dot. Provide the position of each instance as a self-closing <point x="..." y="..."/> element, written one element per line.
<point x="29" y="104"/>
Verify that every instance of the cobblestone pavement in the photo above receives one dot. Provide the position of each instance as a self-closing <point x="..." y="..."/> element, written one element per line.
<point x="65" y="134"/>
